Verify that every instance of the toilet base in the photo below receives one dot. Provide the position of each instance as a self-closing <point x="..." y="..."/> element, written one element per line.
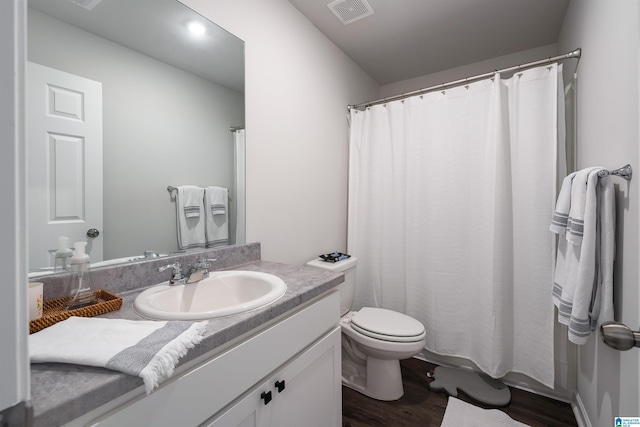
<point x="381" y="381"/>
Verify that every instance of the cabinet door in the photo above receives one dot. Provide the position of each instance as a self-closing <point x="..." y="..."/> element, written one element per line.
<point x="307" y="391"/>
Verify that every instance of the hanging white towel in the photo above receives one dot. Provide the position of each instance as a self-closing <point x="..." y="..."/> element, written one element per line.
<point x="147" y="349"/>
<point x="602" y="304"/>
<point x="576" y="290"/>
<point x="217" y="198"/>
<point x="217" y="224"/>
<point x="192" y="201"/>
<point x="191" y="229"/>
<point x="575" y="223"/>
<point x="563" y="205"/>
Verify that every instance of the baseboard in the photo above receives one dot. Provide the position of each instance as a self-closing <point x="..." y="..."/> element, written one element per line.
<point x="580" y="412"/>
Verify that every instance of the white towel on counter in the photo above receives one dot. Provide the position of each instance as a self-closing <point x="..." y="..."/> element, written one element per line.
<point x="191" y="229"/>
<point x="217" y="223"/>
<point x="583" y="282"/>
<point x="147" y="349"/>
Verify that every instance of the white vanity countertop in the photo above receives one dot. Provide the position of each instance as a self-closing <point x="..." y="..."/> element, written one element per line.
<point x="63" y="392"/>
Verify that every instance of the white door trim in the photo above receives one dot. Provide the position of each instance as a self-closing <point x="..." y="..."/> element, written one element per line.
<point x="14" y="358"/>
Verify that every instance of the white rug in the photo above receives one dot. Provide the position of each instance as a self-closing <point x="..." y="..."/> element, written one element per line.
<point x="462" y="414"/>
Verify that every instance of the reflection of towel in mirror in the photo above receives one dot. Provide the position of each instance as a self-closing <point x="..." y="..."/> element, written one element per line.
<point x="190" y="224"/>
<point x="147" y="349"/>
<point x="191" y="200"/>
<point x="216" y="208"/>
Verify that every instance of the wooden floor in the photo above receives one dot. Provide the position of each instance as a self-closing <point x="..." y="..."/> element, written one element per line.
<point x="421" y="407"/>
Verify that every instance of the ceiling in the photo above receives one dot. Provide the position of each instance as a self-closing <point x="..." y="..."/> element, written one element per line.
<point x="404" y="39"/>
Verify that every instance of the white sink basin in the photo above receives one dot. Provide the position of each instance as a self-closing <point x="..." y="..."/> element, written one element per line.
<point x="221" y="294"/>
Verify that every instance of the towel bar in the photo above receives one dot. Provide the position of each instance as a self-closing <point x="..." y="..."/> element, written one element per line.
<point x="171" y="188"/>
<point x="624" y="172"/>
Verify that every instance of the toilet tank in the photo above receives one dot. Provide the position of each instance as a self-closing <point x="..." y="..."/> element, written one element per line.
<point x="348" y="287"/>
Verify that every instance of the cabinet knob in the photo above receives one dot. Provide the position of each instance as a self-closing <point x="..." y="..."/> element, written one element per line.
<point x="266" y="396"/>
<point x="280" y="386"/>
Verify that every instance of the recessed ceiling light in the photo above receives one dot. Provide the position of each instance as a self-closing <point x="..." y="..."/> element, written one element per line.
<point x="197" y="28"/>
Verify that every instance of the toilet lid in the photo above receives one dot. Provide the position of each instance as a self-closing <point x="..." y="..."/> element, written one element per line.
<point x="387" y="325"/>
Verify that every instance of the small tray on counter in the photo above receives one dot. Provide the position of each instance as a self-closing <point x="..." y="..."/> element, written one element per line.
<point x="54" y="312"/>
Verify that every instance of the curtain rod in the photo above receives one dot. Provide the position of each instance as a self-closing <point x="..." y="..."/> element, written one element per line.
<point x="574" y="54"/>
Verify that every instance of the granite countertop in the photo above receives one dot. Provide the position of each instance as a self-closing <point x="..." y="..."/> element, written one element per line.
<point x="62" y="392"/>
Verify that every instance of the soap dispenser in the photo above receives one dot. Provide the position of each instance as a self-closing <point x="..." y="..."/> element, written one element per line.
<point x="62" y="254"/>
<point x="83" y="295"/>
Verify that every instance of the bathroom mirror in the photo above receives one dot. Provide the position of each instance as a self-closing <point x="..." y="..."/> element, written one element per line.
<point x="166" y="98"/>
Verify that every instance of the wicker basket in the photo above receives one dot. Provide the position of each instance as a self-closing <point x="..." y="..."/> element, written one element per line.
<point x="54" y="312"/>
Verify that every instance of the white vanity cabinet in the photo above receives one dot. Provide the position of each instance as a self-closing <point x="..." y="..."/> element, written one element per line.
<point x="300" y="352"/>
<point x="302" y="393"/>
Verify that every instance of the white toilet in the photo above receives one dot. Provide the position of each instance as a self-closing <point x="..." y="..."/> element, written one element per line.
<point x="374" y="340"/>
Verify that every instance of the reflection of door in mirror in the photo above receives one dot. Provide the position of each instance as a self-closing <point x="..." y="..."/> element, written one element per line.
<point x="64" y="144"/>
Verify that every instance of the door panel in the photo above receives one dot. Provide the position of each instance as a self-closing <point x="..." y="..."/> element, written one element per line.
<point x="64" y="155"/>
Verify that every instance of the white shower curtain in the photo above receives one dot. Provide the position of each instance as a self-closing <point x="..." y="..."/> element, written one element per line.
<point x="239" y="154"/>
<point x="450" y="196"/>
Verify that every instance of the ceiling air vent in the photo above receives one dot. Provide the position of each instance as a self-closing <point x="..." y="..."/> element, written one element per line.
<point x="349" y="11"/>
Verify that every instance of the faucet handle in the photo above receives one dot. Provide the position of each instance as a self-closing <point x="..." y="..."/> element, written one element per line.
<point x="175" y="266"/>
<point x="177" y="271"/>
<point x="206" y="262"/>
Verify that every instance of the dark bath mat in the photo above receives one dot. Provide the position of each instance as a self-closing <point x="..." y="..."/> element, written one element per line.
<point x="477" y="386"/>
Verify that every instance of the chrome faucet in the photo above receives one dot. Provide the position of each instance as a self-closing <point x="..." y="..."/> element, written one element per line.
<point x="176" y="276"/>
<point x="195" y="272"/>
<point x="199" y="271"/>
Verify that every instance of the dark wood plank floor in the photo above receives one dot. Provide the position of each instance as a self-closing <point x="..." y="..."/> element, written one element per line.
<point x="421" y="407"/>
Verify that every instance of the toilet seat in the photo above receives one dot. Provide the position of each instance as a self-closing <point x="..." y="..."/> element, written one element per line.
<point x="387" y="325"/>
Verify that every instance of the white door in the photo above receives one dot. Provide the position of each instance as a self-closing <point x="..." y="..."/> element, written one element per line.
<point x="64" y="161"/>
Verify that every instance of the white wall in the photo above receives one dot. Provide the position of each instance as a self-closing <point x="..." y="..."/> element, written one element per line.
<point x="181" y="138"/>
<point x="607" y="32"/>
<point x="298" y="86"/>
<point x="14" y="369"/>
